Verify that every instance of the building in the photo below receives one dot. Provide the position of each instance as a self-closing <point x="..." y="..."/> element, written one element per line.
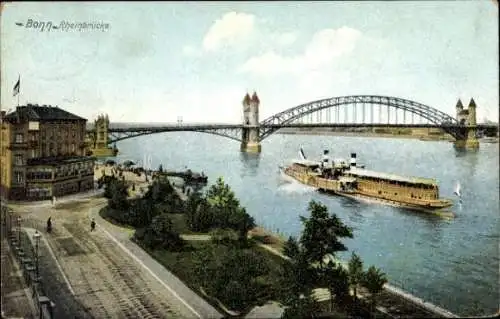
<point x="42" y="153"/>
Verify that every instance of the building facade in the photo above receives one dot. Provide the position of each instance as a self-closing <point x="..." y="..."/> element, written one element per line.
<point x="42" y="153"/>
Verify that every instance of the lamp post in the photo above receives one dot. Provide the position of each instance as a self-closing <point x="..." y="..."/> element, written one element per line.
<point x="37" y="241"/>
<point x="19" y="230"/>
<point x="9" y="228"/>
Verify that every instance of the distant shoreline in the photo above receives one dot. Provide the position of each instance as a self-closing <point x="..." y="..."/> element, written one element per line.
<point x="366" y="134"/>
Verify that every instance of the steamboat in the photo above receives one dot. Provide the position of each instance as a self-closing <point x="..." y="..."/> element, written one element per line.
<point x="354" y="181"/>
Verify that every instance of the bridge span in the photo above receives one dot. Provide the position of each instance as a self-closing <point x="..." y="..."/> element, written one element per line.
<point x="361" y="111"/>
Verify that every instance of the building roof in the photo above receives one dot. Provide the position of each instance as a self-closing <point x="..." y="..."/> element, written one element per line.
<point x="246" y="99"/>
<point x="408" y="179"/>
<point x="459" y="104"/>
<point x="255" y="98"/>
<point x="472" y="103"/>
<point x="58" y="160"/>
<point x="37" y="112"/>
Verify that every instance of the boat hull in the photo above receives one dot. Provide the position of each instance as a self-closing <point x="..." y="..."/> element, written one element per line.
<point x="333" y="187"/>
<point x="375" y="200"/>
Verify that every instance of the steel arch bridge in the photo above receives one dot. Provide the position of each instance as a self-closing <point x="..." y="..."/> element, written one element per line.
<point x="232" y="131"/>
<point x="432" y="115"/>
<point x="366" y="105"/>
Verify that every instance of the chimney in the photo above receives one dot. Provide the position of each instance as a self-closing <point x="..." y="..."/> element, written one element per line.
<point x="353" y="159"/>
<point x="326" y="158"/>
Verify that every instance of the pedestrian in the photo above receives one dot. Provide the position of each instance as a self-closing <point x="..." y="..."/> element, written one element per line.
<point x="92" y="225"/>
<point x="49" y="224"/>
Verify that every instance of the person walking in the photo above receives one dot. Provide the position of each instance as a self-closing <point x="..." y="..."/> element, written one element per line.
<point x="49" y="224"/>
<point x="92" y="225"/>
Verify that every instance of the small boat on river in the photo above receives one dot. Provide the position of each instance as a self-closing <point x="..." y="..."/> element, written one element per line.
<point x="349" y="180"/>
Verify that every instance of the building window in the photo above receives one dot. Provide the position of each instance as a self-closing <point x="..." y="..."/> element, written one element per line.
<point x="18" y="160"/>
<point x="19" y="138"/>
<point x="18" y="177"/>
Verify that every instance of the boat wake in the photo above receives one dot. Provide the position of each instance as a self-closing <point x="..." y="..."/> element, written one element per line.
<point x="292" y="186"/>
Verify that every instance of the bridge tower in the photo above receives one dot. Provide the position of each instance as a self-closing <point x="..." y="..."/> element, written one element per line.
<point x="99" y="145"/>
<point x="101" y="125"/>
<point x="467" y="117"/>
<point x="250" y="133"/>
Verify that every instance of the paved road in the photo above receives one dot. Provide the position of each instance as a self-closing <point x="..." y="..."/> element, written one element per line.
<point x="200" y="307"/>
<point x="111" y="277"/>
<point x="107" y="282"/>
<point x="53" y="282"/>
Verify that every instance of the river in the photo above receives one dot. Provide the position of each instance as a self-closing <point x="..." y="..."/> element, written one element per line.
<point x="452" y="263"/>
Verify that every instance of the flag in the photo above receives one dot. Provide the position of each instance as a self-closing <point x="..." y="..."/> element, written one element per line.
<point x="16" y="87"/>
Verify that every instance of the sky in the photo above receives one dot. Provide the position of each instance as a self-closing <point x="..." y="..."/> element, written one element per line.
<point x="158" y="61"/>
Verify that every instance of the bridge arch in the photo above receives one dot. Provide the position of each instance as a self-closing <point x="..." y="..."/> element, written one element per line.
<point x="229" y="132"/>
<point x="290" y="115"/>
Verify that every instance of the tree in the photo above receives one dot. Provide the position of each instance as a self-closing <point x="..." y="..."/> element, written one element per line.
<point x="302" y="307"/>
<point x="240" y="221"/>
<point x="226" y="210"/>
<point x="231" y="274"/>
<point x="202" y="220"/>
<point x="160" y="235"/>
<point x="337" y="280"/>
<point x="160" y="168"/>
<point x="117" y="190"/>
<point x="355" y="267"/>
<point x="291" y="248"/>
<point x="374" y="280"/>
<point x="298" y="278"/>
<point x="321" y="234"/>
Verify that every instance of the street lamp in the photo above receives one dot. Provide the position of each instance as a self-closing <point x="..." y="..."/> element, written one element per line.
<point x="37" y="241"/>
<point x="19" y="230"/>
<point x="9" y="228"/>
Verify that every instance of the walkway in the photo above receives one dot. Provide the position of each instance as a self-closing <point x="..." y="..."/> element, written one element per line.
<point x="60" y="200"/>
<point x="200" y="308"/>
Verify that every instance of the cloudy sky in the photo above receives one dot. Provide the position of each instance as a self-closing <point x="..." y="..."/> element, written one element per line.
<point x="158" y="61"/>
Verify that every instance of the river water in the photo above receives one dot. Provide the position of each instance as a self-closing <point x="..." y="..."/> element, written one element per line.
<point x="452" y="263"/>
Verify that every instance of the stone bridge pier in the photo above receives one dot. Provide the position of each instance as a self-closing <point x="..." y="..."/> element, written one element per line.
<point x="467" y="117"/>
<point x="251" y="127"/>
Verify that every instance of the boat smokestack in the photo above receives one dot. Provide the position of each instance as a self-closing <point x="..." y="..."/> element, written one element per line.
<point x="353" y="159"/>
<point x="326" y="158"/>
